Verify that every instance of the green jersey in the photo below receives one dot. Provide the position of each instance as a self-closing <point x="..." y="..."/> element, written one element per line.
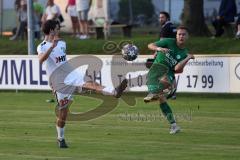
<point x="164" y="64"/>
<point x="171" y="58"/>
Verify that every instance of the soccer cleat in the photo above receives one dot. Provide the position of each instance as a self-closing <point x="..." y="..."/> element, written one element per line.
<point x="174" y="97"/>
<point x="174" y="129"/>
<point x="151" y="97"/>
<point x="121" y="88"/>
<point x="62" y="143"/>
<point x="172" y="94"/>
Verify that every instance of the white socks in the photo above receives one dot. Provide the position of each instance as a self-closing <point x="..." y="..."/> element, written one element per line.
<point x="174" y="124"/>
<point x="60" y="133"/>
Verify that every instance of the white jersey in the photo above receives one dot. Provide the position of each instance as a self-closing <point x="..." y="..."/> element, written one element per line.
<point x="56" y="58"/>
<point x="51" y="11"/>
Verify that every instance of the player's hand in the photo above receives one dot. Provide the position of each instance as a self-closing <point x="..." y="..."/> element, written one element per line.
<point x="164" y="50"/>
<point x="191" y="56"/>
<point x="55" y="41"/>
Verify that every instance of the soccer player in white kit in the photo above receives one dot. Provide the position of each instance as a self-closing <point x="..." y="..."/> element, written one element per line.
<point x="52" y="52"/>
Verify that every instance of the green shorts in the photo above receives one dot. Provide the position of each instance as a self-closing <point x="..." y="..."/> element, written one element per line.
<point x="155" y="74"/>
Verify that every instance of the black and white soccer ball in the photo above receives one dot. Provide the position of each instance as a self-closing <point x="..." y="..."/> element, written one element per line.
<point x="130" y="52"/>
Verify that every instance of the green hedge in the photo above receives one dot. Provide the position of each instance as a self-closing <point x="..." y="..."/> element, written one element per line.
<point x="196" y="45"/>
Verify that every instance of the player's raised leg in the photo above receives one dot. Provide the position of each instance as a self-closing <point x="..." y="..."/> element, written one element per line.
<point x="117" y="92"/>
<point x="156" y="72"/>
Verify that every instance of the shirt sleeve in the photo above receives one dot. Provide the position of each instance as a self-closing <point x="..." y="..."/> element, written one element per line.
<point x="162" y="43"/>
<point x="40" y="49"/>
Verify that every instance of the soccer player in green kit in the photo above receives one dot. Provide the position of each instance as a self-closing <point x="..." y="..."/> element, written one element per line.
<point x="172" y="56"/>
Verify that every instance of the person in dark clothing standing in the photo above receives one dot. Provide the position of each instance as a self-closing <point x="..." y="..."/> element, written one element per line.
<point x="167" y="28"/>
<point x="237" y="36"/>
<point x="227" y="12"/>
<point x="22" y="17"/>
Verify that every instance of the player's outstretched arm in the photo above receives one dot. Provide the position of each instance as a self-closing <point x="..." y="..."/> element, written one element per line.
<point x="154" y="47"/>
<point x="179" y="67"/>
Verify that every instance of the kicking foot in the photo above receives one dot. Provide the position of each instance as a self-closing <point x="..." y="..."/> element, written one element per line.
<point x="151" y="97"/>
<point x="174" y="129"/>
<point x="62" y="143"/>
<point x="172" y="94"/>
<point x="121" y="88"/>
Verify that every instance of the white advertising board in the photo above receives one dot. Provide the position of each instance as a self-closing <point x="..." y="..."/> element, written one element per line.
<point x="235" y="75"/>
<point x="22" y="72"/>
<point x="208" y="74"/>
<point x="205" y="74"/>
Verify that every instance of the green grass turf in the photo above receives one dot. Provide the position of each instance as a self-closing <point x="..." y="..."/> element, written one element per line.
<point x="210" y="129"/>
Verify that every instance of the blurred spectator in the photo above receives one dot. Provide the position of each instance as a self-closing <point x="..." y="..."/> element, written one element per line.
<point x="214" y="14"/>
<point x="167" y="28"/>
<point x="22" y="17"/>
<point x="238" y="27"/>
<point x="83" y="8"/>
<point x="226" y="14"/>
<point x="52" y="12"/>
<point x="99" y="15"/>
<point x="38" y="12"/>
<point x="72" y="11"/>
<point x="17" y="5"/>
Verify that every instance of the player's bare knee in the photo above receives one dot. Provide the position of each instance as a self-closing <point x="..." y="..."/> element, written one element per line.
<point x="63" y="114"/>
<point x="165" y="82"/>
<point x="60" y="123"/>
<point x="162" y="99"/>
<point x="64" y="105"/>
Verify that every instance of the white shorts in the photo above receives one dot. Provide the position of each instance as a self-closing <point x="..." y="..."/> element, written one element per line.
<point x="72" y="84"/>
<point x="63" y="100"/>
<point x="72" y="11"/>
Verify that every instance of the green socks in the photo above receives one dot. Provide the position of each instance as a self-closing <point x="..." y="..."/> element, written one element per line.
<point x="167" y="112"/>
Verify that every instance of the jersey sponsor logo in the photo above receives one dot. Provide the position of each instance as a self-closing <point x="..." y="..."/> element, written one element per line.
<point x="178" y="56"/>
<point x="60" y="59"/>
<point x="170" y="60"/>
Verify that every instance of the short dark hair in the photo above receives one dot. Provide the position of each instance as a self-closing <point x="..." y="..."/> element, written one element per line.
<point x="49" y="25"/>
<point x="166" y="14"/>
<point x="183" y="27"/>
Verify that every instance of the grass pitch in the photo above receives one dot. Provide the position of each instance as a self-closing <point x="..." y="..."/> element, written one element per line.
<point x="210" y="129"/>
